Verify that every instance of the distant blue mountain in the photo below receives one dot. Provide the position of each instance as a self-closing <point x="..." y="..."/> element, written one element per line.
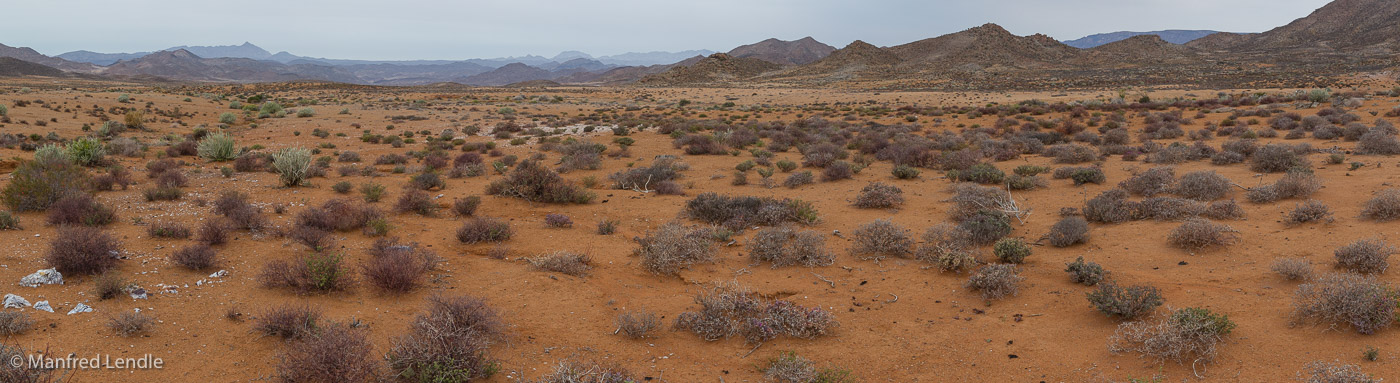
<point x="1174" y="36"/>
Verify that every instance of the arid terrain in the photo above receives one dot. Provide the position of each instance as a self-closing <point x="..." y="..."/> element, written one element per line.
<point x="893" y="316"/>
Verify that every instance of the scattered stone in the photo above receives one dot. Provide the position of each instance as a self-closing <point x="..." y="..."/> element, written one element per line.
<point x="138" y="293"/>
<point x="80" y="308"/>
<point x="219" y="274"/>
<point x="43" y="306"/>
<point x="42" y="277"/>
<point x="15" y="302"/>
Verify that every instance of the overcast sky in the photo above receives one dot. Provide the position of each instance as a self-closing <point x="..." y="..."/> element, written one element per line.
<point x="423" y="29"/>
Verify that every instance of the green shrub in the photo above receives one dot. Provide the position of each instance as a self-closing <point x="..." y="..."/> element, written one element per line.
<point x="217" y="147"/>
<point x="905" y="172"/>
<point x="86" y="151"/>
<point x="228" y="118"/>
<point x="306" y="112"/>
<point x="36" y="185"/>
<point x="1011" y="250"/>
<point x="293" y="165"/>
<point x="980" y="173"/>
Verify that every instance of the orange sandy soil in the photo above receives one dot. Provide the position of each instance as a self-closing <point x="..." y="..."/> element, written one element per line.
<point x="935" y="330"/>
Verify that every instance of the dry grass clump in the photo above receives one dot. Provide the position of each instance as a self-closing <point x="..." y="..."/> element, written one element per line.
<point x="1186" y="334"/>
<point x="1124" y="302"/>
<point x="1335" y="372"/>
<point x="948" y="247"/>
<point x="581" y="372"/>
<point x="1293" y="268"/>
<point x="995" y="281"/>
<point x="1294" y="184"/>
<point x="879" y="196"/>
<point x="636" y="324"/>
<point x="1385" y="206"/>
<point x="1205" y="185"/>
<point x="563" y="261"/>
<point x="82" y="250"/>
<point x="728" y="309"/>
<point x="449" y="342"/>
<point x="881" y="238"/>
<point x="1085" y="273"/>
<point x="1363" y="302"/>
<point x="1197" y="234"/>
<point x="785" y="246"/>
<point x="674" y="247"/>
<point x="1151" y="182"/>
<point x="1365" y="256"/>
<point x="14" y="323"/>
<point x="483" y="229"/>
<point x="130" y="324"/>
<point x="397" y="267"/>
<point x="335" y="353"/>
<point x="737" y="213"/>
<point x="1069" y="231"/>
<point x="288" y="321"/>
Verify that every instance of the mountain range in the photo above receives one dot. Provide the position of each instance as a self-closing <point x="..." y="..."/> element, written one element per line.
<point x="1344" y="36"/>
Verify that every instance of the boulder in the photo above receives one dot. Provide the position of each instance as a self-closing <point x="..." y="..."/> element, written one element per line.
<point x="15" y="302"/>
<point x="42" y="277"/>
<point x="80" y="308"/>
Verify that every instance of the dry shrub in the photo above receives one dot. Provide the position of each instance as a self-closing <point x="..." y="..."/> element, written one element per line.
<point x="195" y="257"/>
<point x="396" y="267"/>
<point x="25" y="372"/>
<point x="1385" y="206"/>
<point x="109" y="285"/>
<point x="466" y="207"/>
<point x="416" y="201"/>
<point x="1205" y="185"/>
<point x="1197" y="234"/>
<point x="1295" y="184"/>
<point x="636" y="324"/>
<point x="1293" y="268"/>
<point x="664" y="169"/>
<point x="581" y="372"/>
<point x="1365" y="256"/>
<point x="336" y="353"/>
<point x="1187" y="334"/>
<point x="1169" y="208"/>
<point x="995" y="281"/>
<point x="449" y="342"/>
<point x="483" y="229"/>
<point x="533" y="182"/>
<point x="673" y="247"/>
<point x="1124" y="302"/>
<point x="130" y="323"/>
<point x="1071" y="153"/>
<point x="168" y="229"/>
<point x="36" y="185"/>
<point x="1223" y="209"/>
<point x="947" y="246"/>
<point x="879" y="196"/>
<point x="881" y="238"/>
<point x="288" y="321"/>
<point x="563" y="261"/>
<point x="80" y="209"/>
<point x="798" y="179"/>
<point x="1111" y="206"/>
<point x="1308" y="211"/>
<point x="1069" y="231"/>
<point x="1275" y="158"/>
<point x="1363" y="302"/>
<point x="14" y="323"/>
<point x="1011" y="250"/>
<point x="1154" y="181"/>
<point x="558" y="220"/>
<point x="338" y="215"/>
<point x="1335" y="372"/>
<point x="728" y="309"/>
<point x="1085" y="273"/>
<point x="82" y="250"/>
<point x="314" y="272"/>
<point x="313" y="238"/>
<point x="986" y="226"/>
<point x="785" y="246"/>
<point x="788" y="367"/>
<point x="736" y="213"/>
<point x="241" y="214"/>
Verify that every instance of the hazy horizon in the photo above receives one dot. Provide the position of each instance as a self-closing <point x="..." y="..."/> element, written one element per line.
<point x="437" y="30"/>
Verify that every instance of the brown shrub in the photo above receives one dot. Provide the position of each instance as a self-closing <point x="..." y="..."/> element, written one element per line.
<point x="784" y="246"/>
<point x="314" y="272"/>
<point x="1295" y="268"/>
<point x="1197" y="234"/>
<point x="168" y="229"/>
<point x="14" y="323"/>
<point x="1185" y="334"/>
<point x="947" y="246"/>
<point x="466" y="207"/>
<point x="1069" y="231"/>
<point x="1154" y="181"/>
<point x="195" y="257"/>
<point x="565" y="262"/>
<point x="213" y="232"/>
<point x="728" y="309"/>
<point x="1335" y="372"/>
<point x="336" y="353"/>
<point x="1385" y="206"/>
<point x="1365" y="256"/>
<point x="995" y="281"/>
<point x="879" y="196"/>
<point x="130" y="323"/>
<point x="636" y="324"/>
<point x="1346" y="299"/>
<point x="82" y="250"/>
<point x="288" y="321"/>
<point x="416" y="201"/>
<point x="449" y="343"/>
<point x="673" y="247"/>
<point x="483" y="229"/>
<point x="80" y="209"/>
<point x="881" y="238"/>
<point x="1308" y="211"/>
<point x="1205" y="185"/>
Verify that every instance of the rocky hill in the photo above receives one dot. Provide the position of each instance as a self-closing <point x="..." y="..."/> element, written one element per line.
<point x="798" y="52"/>
<point x="30" y="55"/>
<point x="1174" y="36"/>
<point x="719" y="68"/>
<point x="13" y="67"/>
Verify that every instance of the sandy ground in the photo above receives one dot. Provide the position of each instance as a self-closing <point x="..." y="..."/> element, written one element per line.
<point x="901" y="321"/>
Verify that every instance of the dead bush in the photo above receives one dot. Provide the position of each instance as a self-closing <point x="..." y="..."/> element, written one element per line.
<point x="1197" y="234"/>
<point x="130" y="323"/>
<point x="1385" y="206"/>
<point x="449" y="342"/>
<point x="879" y="196"/>
<point x="416" y="201"/>
<point x="1335" y="372"/>
<point x="82" y="250"/>
<point x="1345" y="299"/>
<point x="1124" y="302"/>
<point x="1295" y="184"/>
<point x="1224" y="209"/>
<point x="1069" y="231"/>
<point x="338" y="215"/>
<point x="564" y="262"/>
<point x="288" y="321"/>
<point x="636" y="324"/>
<point x="1205" y="185"/>
<point x="1154" y="181"/>
<point x="737" y="213"/>
<point x="1186" y="334"/>
<point x="213" y="232"/>
<point x="947" y="246"/>
<point x="466" y="207"/>
<point x="1293" y="268"/>
<point x="195" y="257"/>
<point x="336" y="353"/>
<point x="1308" y="211"/>
<point x="881" y="238"/>
<point x="14" y="323"/>
<point x="728" y="309"/>
<point x="580" y="372"/>
<point x="785" y="246"/>
<point x="987" y="226"/>
<point x="80" y="209"/>
<point x="533" y="182"/>
<point x="168" y="229"/>
<point x="1365" y="256"/>
<point x="397" y="267"/>
<point x="673" y="247"/>
<point x="483" y="229"/>
<point x="1274" y="158"/>
<point x="1111" y="206"/>
<point x="995" y="281"/>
